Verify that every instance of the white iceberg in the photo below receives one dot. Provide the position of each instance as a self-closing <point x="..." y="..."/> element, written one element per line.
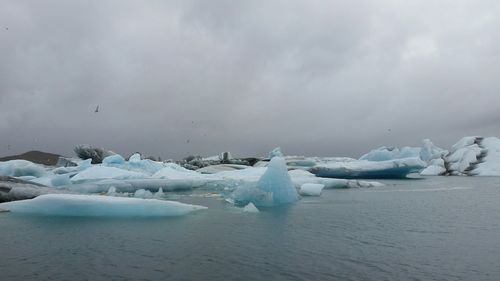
<point x="386" y="153"/>
<point x="311" y="189"/>
<point x="98" y="206"/>
<point x="470" y="156"/>
<point x="21" y="168"/>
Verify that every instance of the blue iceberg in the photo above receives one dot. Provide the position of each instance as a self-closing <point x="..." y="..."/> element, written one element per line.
<point x="98" y="206"/>
<point x="275" y="187"/>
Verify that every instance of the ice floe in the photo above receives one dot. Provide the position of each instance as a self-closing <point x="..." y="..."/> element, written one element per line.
<point x="98" y="206"/>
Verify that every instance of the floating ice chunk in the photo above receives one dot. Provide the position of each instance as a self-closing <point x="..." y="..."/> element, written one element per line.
<point x="276" y="153"/>
<point x="98" y="206"/>
<point x="113" y="159"/>
<point x="144" y="194"/>
<point x="396" y="168"/>
<point x="311" y="189"/>
<point x="277" y="182"/>
<point x="20" y="168"/>
<point x="250" y="208"/>
<point x="100" y="172"/>
<point x="389" y="153"/>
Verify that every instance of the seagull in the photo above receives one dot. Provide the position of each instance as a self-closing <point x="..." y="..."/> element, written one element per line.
<point x="96" y="109"/>
<point x="187" y="141"/>
<point x="6" y="28"/>
<point x="389" y="130"/>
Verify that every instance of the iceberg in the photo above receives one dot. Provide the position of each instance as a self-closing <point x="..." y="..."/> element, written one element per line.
<point x="311" y="189"/>
<point x="275" y="187"/>
<point x="396" y="168"/>
<point x="135" y="164"/>
<point x="20" y="168"/>
<point x="470" y="156"/>
<point x="98" y="206"/>
<point x="386" y="153"/>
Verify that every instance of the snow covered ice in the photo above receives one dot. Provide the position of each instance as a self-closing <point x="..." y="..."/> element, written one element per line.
<point x="470" y="156"/>
<point x="98" y="206"/>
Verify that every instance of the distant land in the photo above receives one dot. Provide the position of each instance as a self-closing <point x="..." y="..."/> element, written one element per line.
<point x="35" y="156"/>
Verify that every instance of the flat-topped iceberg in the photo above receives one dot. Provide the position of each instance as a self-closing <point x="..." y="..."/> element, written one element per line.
<point x="98" y="206"/>
<point x="396" y="168"/>
<point x="386" y="153"/>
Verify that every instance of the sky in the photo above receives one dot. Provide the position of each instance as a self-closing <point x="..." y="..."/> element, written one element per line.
<point x="317" y="77"/>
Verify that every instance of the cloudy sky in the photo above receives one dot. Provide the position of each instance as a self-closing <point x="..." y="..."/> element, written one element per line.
<point x="172" y="78"/>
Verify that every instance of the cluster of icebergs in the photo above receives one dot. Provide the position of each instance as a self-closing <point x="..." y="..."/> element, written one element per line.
<point x="138" y="186"/>
<point x="78" y="190"/>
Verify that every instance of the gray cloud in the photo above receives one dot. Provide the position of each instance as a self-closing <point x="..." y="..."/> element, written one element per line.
<point x="315" y="77"/>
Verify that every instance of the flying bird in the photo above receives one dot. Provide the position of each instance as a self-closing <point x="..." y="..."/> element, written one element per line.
<point x="187" y="141"/>
<point x="96" y="109"/>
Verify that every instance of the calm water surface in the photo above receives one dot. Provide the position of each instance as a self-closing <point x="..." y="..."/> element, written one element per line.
<point x="443" y="228"/>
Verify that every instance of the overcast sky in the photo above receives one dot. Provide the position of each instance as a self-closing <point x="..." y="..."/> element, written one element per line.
<point x="172" y="78"/>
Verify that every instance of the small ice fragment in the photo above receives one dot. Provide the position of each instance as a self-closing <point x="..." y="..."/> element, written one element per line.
<point x="250" y="208"/>
<point x="311" y="189"/>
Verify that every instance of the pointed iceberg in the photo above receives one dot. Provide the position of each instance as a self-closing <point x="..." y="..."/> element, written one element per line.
<point x="275" y="187"/>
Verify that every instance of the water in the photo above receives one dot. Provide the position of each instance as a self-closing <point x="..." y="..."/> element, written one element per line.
<point x="443" y="228"/>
